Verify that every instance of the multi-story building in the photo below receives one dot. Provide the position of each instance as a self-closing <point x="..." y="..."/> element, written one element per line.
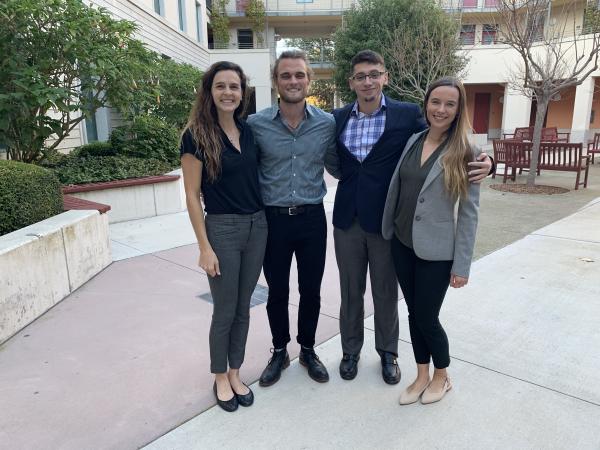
<point x="175" y="29"/>
<point x="495" y="107"/>
<point x="180" y="29"/>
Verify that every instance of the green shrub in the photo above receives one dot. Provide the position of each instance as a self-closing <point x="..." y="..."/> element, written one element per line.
<point x="95" y="149"/>
<point x="147" y="137"/>
<point x="28" y="194"/>
<point x="80" y="170"/>
<point x="51" y="159"/>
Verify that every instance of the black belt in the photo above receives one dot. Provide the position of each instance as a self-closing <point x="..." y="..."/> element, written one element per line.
<point x="293" y="210"/>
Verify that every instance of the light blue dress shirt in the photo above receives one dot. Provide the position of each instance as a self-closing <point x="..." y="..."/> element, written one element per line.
<point x="291" y="161"/>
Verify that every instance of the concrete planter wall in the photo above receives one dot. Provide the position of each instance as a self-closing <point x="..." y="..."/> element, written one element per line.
<point x="43" y="263"/>
<point x="136" y="199"/>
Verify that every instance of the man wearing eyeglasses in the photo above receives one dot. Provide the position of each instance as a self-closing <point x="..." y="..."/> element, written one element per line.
<point x="371" y="134"/>
<point x="294" y="140"/>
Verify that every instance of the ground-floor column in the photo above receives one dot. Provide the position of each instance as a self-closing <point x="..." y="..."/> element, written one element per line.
<point x="516" y="110"/>
<point x="582" y="110"/>
<point x="263" y="97"/>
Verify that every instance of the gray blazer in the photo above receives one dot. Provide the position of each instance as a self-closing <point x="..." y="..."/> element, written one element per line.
<point x="437" y="234"/>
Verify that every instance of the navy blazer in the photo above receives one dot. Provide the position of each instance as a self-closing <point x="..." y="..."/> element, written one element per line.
<point x="363" y="187"/>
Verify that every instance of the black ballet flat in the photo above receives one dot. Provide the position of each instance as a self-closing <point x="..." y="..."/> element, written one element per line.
<point x="228" y="405"/>
<point x="245" y="399"/>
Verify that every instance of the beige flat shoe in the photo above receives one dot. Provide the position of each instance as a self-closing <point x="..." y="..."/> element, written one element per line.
<point x="406" y="397"/>
<point x="432" y="397"/>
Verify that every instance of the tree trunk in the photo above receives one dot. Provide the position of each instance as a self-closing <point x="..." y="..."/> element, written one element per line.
<point x="542" y="107"/>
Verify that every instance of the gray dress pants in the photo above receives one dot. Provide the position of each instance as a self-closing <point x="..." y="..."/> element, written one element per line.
<point x="355" y="252"/>
<point x="239" y="242"/>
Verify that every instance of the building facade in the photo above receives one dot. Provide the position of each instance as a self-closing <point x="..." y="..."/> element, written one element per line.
<point x="180" y="29"/>
<point x="495" y="107"/>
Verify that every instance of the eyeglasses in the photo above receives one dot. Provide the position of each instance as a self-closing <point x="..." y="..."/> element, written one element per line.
<point x="374" y="75"/>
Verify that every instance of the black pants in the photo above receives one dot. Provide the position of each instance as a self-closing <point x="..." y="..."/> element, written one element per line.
<point x="304" y="235"/>
<point x="424" y="285"/>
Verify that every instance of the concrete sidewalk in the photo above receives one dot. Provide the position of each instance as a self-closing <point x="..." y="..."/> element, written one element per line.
<point x="124" y="359"/>
<point x="524" y="341"/>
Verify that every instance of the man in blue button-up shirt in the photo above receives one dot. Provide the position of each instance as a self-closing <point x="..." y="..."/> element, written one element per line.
<point x="296" y="140"/>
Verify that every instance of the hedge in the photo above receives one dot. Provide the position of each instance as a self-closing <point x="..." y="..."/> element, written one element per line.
<point x="95" y="149"/>
<point x="28" y="194"/>
<point x="79" y="170"/>
<point x="147" y="137"/>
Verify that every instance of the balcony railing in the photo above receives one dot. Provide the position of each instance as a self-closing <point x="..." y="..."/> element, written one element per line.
<point x="468" y="5"/>
<point x="242" y="46"/>
<point x="294" y="7"/>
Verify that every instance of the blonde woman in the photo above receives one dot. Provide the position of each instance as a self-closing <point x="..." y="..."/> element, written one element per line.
<point x="431" y="247"/>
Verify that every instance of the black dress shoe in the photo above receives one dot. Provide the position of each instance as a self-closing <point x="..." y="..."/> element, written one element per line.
<point x="228" y="405"/>
<point x="389" y="368"/>
<point x="279" y="361"/>
<point x="316" y="369"/>
<point x="245" y="399"/>
<point x="349" y="366"/>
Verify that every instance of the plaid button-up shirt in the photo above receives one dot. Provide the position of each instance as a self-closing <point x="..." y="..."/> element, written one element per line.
<point x="363" y="130"/>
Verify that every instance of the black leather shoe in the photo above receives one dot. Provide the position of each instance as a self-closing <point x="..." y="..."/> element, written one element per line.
<point x="245" y="399"/>
<point x="228" y="405"/>
<point x="349" y="366"/>
<point x="316" y="369"/>
<point x="279" y="361"/>
<point x="389" y="368"/>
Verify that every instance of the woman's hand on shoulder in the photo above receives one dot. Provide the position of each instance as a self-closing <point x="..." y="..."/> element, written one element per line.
<point x="209" y="262"/>
<point x="458" y="282"/>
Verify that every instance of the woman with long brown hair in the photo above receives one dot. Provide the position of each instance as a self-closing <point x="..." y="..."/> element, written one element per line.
<point x="431" y="247"/>
<point x="220" y="160"/>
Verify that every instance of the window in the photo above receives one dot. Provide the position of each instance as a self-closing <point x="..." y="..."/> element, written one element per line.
<point x="535" y="25"/>
<point x="181" y="7"/>
<point x="245" y="39"/>
<point x="304" y="1"/>
<point x="591" y="18"/>
<point x="198" y="22"/>
<point x="491" y="3"/>
<point x="489" y="34"/>
<point x="467" y="35"/>
<point x="469" y="4"/>
<point x="91" y="128"/>
<point x="159" y="7"/>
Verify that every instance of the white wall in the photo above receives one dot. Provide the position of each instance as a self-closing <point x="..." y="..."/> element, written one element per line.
<point x="257" y="67"/>
<point x="162" y="34"/>
<point x="43" y="263"/>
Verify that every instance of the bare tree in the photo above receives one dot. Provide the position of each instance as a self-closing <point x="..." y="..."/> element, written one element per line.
<point x="416" y="60"/>
<point x="554" y="55"/>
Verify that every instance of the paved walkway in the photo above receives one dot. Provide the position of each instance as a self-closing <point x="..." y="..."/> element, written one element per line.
<point x="124" y="359"/>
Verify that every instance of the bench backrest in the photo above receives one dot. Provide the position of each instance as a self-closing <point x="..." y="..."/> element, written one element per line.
<point x="499" y="150"/>
<point x="549" y="134"/>
<point x="524" y="133"/>
<point x="560" y="155"/>
<point x="553" y="155"/>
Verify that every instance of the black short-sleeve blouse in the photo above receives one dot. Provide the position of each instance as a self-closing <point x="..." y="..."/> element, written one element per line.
<point x="236" y="190"/>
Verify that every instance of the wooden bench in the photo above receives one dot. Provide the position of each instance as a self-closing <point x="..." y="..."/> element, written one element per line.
<point x="594" y="146"/>
<point x="549" y="134"/>
<point x="559" y="156"/>
<point x="500" y="157"/>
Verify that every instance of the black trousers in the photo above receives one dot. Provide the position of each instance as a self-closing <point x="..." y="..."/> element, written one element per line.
<point x="304" y="235"/>
<point x="424" y="285"/>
